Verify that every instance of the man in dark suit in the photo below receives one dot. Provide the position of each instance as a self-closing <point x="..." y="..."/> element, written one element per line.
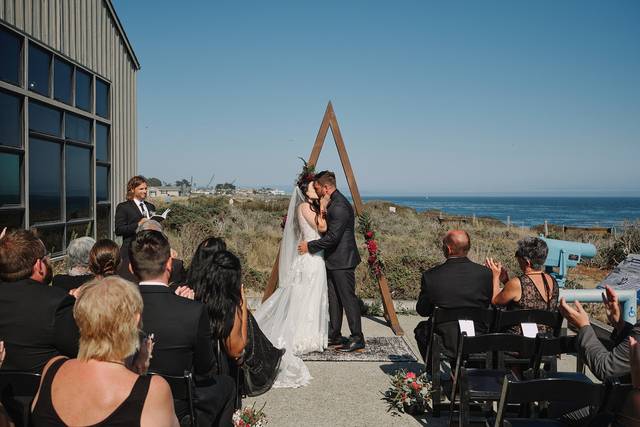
<point x="36" y="323"/>
<point x="341" y="258"/>
<point x="131" y="213"/>
<point x="457" y="283"/>
<point x="180" y="327"/>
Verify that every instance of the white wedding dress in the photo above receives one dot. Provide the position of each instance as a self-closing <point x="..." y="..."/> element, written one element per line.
<point x="296" y="316"/>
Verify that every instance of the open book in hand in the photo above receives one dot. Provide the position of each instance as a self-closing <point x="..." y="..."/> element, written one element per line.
<point x="160" y="217"/>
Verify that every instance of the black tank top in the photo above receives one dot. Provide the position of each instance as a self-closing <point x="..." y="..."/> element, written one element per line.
<point x="126" y="415"/>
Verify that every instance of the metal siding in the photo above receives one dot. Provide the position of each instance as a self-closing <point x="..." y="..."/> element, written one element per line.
<point x="86" y="32"/>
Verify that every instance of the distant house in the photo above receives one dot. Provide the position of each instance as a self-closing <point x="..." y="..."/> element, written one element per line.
<point x="169" y="190"/>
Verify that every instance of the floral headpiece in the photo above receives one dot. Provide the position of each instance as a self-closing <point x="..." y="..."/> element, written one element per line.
<point x="307" y="174"/>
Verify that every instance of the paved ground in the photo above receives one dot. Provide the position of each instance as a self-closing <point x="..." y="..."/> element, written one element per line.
<point x="349" y="393"/>
<point x="344" y="393"/>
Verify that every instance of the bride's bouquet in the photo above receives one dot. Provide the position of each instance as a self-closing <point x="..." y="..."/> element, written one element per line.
<point x="250" y="417"/>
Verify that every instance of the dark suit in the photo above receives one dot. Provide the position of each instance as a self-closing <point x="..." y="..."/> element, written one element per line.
<point x="457" y="283"/>
<point x="67" y="282"/>
<point x="36" y="324"/>
<point x="183" y="342"/>
<point x="126" y="222"/>
<point x="609" y="362"/>
<point x="341" y="258"/>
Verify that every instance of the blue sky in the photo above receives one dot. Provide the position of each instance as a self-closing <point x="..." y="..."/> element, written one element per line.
<point x="506" y="97"/>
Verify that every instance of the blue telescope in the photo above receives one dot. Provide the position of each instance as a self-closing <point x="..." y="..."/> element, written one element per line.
<point x="564" y="254"/>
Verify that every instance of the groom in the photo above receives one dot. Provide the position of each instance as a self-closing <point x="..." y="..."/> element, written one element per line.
<point x="341" y="258"/>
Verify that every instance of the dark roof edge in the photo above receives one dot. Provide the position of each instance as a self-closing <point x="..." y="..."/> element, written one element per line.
<point x="127" y="43"/>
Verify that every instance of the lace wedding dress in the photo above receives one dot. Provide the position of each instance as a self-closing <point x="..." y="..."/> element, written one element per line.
<point x="296" y="316"/>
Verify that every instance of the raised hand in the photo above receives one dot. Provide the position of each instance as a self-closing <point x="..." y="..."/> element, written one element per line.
<point x="185" y="292"/>
<point x="494" y="266"/>
<point x="3" y="232"/>
<point x="574" y="315"/>
<point x="142" y="360"/>
<point x="612" y="305"/>
<point x="3" y="352"/>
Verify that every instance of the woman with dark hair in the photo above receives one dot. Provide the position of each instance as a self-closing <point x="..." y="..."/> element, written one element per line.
<point x="216" y="281"/>
<point x="134" y="211"/>
<point x="533" y="289"/>
<point x="203" y="257"/>
<point x="104" y="258"/>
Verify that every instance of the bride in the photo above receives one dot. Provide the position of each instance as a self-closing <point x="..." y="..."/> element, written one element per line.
<point x="296" y="316"/>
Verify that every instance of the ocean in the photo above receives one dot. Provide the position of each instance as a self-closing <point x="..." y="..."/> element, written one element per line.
<point x="529" y="211"/>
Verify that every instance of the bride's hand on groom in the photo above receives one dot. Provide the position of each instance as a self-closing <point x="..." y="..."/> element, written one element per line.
<point x="303" y="248"/>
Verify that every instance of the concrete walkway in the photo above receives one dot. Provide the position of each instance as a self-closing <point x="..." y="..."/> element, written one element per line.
<point x="345" y="393"/>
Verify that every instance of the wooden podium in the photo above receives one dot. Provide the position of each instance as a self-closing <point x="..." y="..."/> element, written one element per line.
<point x="329" y="121"/>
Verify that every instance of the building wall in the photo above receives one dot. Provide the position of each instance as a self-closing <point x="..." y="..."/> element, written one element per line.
<point x="85" y="32"/>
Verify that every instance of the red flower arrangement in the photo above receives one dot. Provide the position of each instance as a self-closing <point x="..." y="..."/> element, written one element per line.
<point x="408" y="393"/>
<point x="365" y="226"/>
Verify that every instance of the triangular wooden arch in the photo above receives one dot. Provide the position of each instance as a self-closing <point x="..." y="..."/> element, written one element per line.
<point x="329" y="121"/>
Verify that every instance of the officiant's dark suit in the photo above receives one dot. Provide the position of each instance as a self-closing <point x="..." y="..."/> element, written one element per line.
<point x="128" y="215"/>
<point x="341" y="258"/>
<point x="457" y="283"/>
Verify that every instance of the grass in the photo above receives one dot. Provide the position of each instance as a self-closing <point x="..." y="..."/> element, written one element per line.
<point x="410" y="241"/>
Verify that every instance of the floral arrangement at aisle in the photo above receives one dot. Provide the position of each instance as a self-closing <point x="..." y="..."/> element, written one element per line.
<point x="250" y="417"/>
<point x="365" y="226"/>
<point x="409" y="392"/>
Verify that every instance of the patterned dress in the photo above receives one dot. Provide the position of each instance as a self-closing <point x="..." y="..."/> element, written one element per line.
<point x="531" y="299"/>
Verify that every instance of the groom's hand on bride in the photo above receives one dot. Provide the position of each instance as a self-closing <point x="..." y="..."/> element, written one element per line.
<point x="303" y="248"/>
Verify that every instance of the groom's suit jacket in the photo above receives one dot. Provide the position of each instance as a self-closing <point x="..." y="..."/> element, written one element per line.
<point x="339" y="242"/>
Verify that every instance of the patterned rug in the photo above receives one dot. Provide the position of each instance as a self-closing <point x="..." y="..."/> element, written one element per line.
<point x="377" y="349"/>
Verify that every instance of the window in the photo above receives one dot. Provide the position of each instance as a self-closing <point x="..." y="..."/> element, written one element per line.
<point x="102" y="143"/>
<point x="10" y="47"/>
<point x="44" y="119"/>
<point x="77" y="168"/>
<point x="102" y="98"/>
<point x="39" y="68"/>
<point x="10" y="120"/>
<point x="62" y="77"/>
<point x="79" y="230"/>
<point x="51" y="236"/>
<point x="77" y="128"/>
<point x="11" y="218"/>
<point x="102" y="184"/>
<point x="10" y="188"/>
<point x="45" y="176"/>
<point x="103" y="222"/>
<point x="83" y="90"/>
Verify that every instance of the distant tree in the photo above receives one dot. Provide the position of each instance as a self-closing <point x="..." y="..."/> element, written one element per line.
<point x="154" y="182"/>
<point x="182" y="182"/>
<point x="225" y="188"/>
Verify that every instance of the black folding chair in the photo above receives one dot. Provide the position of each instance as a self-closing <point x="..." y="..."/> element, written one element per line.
<point x="483" y="385"/>
<point x="182" y="389"/>
<point x="506" y="319"/>
<point x="547" y="351"/>
<point x="18" y="389"/>
<point x="547" y="390"/>
<point x="483" y="319"/>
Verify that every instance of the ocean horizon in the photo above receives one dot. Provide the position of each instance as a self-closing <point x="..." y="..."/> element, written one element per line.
<point x="529" y="211"/>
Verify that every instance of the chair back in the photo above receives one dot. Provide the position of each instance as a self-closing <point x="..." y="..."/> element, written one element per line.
<point x="524" y="346"/>
<point x="182" y="389"/>
<point x="18" y="388"/>
<point x="616" y="396"/>
<point x="506" y="319"/>
<point x="562" y="390"/>
<point x="479" y="315"/>
<point x="551" y="346"/>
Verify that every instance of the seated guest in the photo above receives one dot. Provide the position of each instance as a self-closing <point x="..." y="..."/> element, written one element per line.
<point x="36" y="323"/>
<point x="104" y="258"/>
<point x="457" y="283"/>
<point x="533" y="289"/>
<point x="96" y="388"/>
<point x="78" y="272"/>
<point x="612" y="360"/>
<point x="215" y="276"/>
<point x="181" y="329"/>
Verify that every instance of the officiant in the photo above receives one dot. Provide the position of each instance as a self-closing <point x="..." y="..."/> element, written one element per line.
<point x="131" y="213"/>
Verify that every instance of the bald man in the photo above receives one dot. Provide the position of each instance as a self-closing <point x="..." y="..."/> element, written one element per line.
<point x="457" y="283"/>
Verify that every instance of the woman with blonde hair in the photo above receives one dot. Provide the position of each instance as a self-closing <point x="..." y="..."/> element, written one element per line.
<point x="97" y="388"/>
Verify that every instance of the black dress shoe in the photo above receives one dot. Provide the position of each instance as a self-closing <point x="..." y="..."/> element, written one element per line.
<point x="340" y="341"/>
<point x="352" y="345"/>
